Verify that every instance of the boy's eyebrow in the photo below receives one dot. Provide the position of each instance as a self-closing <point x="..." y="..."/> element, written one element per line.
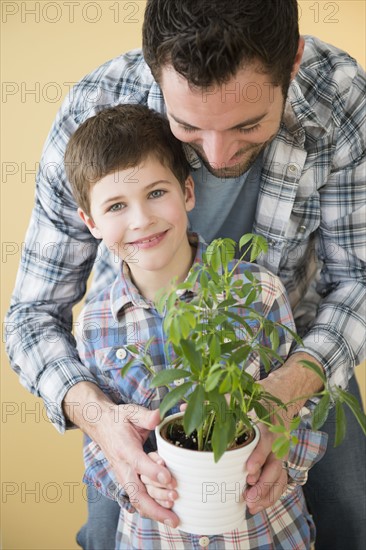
<point x="247" y="122"/>
<point x="147" y="188"/>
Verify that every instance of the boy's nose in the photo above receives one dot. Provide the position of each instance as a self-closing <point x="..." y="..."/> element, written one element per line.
<point x="140" y="217"/>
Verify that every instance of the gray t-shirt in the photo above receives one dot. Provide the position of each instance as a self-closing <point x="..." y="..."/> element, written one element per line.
<point x="230" y="202"/>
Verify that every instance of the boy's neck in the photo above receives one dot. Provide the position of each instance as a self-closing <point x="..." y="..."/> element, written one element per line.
<point x="150" y="283"/>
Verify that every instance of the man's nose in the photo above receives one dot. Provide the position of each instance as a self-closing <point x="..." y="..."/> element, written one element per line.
<point x="219" y="149"/>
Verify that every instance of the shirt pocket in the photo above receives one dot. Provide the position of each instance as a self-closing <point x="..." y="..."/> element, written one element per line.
<point x="135" y="385"/>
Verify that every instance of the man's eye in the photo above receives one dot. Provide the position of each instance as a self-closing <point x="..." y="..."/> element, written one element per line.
<point x="249" y="130"/>
<point x="188" y="129"/>
<point x="157" y="193"/>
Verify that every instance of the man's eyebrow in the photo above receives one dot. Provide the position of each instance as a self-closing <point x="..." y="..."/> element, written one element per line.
<point x="248" y="122"/>
<point x="147" y="188"/>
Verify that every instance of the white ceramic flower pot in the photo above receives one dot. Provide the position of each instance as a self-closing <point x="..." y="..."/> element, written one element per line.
<point x="210" y="494"/>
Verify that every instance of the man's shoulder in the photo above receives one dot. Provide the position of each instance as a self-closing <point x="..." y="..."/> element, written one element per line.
<point x="325" y="67"/>
<point x="123" y="79"/>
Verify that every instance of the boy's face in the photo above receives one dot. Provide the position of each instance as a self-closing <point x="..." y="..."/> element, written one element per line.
<point x="141" y="214"/>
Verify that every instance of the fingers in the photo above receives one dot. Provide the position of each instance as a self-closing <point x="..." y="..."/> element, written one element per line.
<point x="266" y="478"/>
<point x="147" y="506"/>
<point x="271" y="485"/>
<point x="160" y="493"/>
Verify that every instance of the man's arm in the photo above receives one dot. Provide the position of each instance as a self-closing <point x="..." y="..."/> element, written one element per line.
<point x="266" y="478"/>
<point x="121" y="433"/>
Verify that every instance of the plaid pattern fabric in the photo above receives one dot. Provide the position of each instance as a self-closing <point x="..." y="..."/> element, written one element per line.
<point x="311" y="208"/>
<point x="120" y="316"/>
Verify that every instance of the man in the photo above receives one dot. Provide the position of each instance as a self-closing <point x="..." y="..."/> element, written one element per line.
<point x="275" y="128"/>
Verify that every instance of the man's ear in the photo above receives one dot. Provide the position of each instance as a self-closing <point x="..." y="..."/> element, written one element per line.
<point x="298" y="58"/>
<point x="190" y="198"/>
<point x="89" y="224"/>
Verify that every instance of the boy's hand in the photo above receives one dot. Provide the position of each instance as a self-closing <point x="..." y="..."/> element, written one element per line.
<point x="121" y="431"/>
<point x="159" y="491"/>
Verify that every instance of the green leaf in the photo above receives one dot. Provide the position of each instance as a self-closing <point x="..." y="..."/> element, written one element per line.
<point x="225" y="384"/>
<point x="214" y="347"/>
<point x="320" y="412"/>
<point x="245" y="239"/>
<point x="340" y="424"/>
<point x="261" y="412"/>
<point x="315" y="368"/>
<point x="295" y="423"/>
<point x="194" y="413"/>
<point x="281" y="446"/>
<point x="259" y="245"/>
<point x="251" y="297"/>
<point x="274" y="339"/>
<point x="276" y="429"/>
<point x="219" y="440"/>
<point x="127" y="366"/>
<point x="165" y="377"/>
<point x="191" y="353"/>
<point x="265" y="360"/>
<point x="213" y="381"/>
<point x="172" y="397"/>
<point x="354" y="405"/>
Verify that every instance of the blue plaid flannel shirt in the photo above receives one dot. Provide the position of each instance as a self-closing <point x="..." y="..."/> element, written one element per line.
<point x="311" y="208"/>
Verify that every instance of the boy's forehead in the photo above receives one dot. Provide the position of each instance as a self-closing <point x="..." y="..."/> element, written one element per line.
<point x="150" y="171"/>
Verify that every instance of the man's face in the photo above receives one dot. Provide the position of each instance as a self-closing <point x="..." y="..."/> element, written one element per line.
<point x="227" y="125"/>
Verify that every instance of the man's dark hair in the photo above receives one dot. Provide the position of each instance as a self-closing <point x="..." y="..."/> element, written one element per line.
<point x="118" y="138"/>
<point x="208" y="41"/>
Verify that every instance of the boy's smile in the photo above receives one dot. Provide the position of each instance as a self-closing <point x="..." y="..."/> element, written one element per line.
<point x="141" y="214"/>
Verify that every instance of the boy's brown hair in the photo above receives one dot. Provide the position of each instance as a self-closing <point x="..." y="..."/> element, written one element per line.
<point x="118" y="138"/>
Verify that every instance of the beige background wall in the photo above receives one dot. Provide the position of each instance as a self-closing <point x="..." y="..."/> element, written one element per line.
<point x="47" y="46"/>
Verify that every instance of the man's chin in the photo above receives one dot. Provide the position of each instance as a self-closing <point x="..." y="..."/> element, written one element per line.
<point x="234" y="171"/>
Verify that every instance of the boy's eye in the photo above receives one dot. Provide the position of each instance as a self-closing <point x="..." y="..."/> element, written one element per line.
<point x="157" y="193"/>
<point x="116" y="207"/>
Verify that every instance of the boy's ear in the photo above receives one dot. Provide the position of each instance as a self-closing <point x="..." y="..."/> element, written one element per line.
<point x="190" y="198"/>
<point x="298" y="58"/>
<point x="89" y="224"/>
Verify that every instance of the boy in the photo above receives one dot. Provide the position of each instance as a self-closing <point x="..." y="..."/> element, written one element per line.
<point x="131" y="180"/>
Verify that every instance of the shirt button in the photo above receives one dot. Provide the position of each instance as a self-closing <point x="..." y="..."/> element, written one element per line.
<point x="121" y="353"/>
<point x="302" y="228"/>
<point x="292" y="168"/>
<point x="204" y="542"/>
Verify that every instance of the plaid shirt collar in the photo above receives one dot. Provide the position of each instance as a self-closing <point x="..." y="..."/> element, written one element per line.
<point x="124" y="292"/>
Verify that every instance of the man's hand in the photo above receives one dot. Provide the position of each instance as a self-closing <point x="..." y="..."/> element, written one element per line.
<point x="121" y="431"/>
<point x="266" y="477"/>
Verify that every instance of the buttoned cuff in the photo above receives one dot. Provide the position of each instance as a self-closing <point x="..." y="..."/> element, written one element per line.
<point x="303" y="455"/>
<point x="55" y="382"/>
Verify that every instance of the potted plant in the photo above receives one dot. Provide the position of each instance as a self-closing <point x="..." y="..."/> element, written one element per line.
<point x="209" y="347"/>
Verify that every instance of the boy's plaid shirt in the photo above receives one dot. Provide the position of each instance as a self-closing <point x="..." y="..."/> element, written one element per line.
<point x="311" y="208"/>
<point x="119" y="316"/>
